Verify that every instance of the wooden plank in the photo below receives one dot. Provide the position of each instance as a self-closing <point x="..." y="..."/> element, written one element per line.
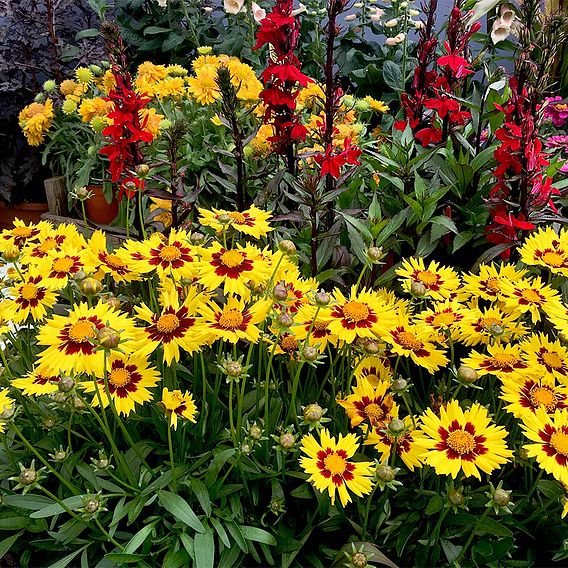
<point x="56" y="195"/>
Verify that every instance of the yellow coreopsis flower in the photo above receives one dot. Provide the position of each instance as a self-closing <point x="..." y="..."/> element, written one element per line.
<point x="374" y="370"/>
<point x="531" y="296"/>
<point x="313" y="323"/>
<point x="488" y="283"/>
<point x="37" y="382"/>
<point x="437" y="282"/>
<point x="178" y="404"/>
<point x="545" y="247"/>
<point x="31" y="295"/>
<point x="330" y="468"/>
<point x="502" y="360"/>
<point x="377" y="106"/>
<point x="545" y="357"/>
<point x="252" y="222"/>
<point x="529" y="393"/>
<point x="459" y="440"/>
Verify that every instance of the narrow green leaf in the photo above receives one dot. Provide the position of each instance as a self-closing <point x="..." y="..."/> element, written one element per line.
<point x="66" y="560"/>
<point x="7" y="543"/>
<point x="56" y="509"/>
<point x="258" y="535"/>
<point x="138" y="539"/>
<point x="180" y="509"/>
<point x="202" y="494"/>
<point x="204" y="549"/>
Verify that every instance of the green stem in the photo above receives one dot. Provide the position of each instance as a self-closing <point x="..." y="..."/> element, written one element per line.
<point x="172" y="463"/>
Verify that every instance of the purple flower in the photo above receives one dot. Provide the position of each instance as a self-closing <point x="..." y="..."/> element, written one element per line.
<point x="556" y="109"/>
<point x="557" y="142"/>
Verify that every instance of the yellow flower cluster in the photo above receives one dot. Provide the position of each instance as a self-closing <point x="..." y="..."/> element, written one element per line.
<point x="35" y="120"/>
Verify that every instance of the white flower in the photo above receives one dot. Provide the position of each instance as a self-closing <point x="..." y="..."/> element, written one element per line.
<point x="506" y="14"/>
<point x="413" y="12"/>
<point x="258" y="13"/>
<point x="500" y="30"/>
<point x="299" y="10"/>
<point x="391" y="41"/>
<point x="233" y="6"/>
<point x="418" y="24"/>
<point x="399" y="38"/>
<point x="391" y="23"/>
<point x="350" y="17"/>
<point x="162" y="3"/>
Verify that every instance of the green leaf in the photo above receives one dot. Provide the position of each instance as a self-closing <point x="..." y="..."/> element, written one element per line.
<point x="180" y="509"/>
<point x="392" y="75"/>
<point x="434" y="505"/>
<point x="221" y="532"/>
<point x="487" y="525"/>
<point x="152" y="30"/>
<point x="202" y="494"/>
<point x="7" y="543"/>
<point x="138" y="539"/>
<point x="549" y="488"/>
<point x="217" y="463"/>
<point x="51" y="510"/>
<point x="30" y="501"/>
<point x="66" y="560"/>
<point x="172" y="41"/>
<point x="83" y="34"/>
<point x="119" y="558"/>
<point x="258" y="535"/>
<point x="445" y="222"/>
<point x="204" y="549"/>
<point x="357" y="224"/>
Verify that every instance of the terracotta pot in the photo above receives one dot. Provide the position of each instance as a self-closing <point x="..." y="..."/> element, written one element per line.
<point x="27" y="212"/>
<point x="98" y="209"/>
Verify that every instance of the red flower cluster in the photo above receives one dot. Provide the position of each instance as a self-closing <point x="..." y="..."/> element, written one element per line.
<point x="332" y="161"/>
<point x="435" y="89"/>
<point x="125" y="132"/>
<point x="520" y="173"/>
<point x="282" y="77"/>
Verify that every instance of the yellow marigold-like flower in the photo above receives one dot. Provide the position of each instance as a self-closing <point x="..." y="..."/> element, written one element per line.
<point x="531" y="296"/>
<point x="70" y="341"/>
<point x="175" y="326"/>
<point x="371" y="404"/>
<point x="528" y="393"/>
<point x="310" y="97"/>
<point x="149" y="73"/>
<point x="107" y="82"/>
<point x="363" y="314"/>
<point x="260" y="145"/>
<point x="84" y="75"/>
<point x="438" y="282"/>
<point x="150" y="119"/>
<point x="413" y="341"/>
<point x="128" y="380"/>
<point x="177" y="71"/>
<point x="31" y="295"/>
<point x="374" y="370"/>
<point x="463" y="440"/>
<point x="232" y="269"/>
<point x="169" y="87"/>
<point x="546" y="358"/>
<point x="205" y="61"/>
<point x="5" y="404"/>
<point x="203" y="87"/>
<point x="252" y="222"/>
<point x="410" y="445"/>
<point x="545" y="247"/>
<point x="244" y="80"/>
<point x="330" y="468"/>
<point x="90" y="108"/>
<point x="179" y="404"/>
<point x="35" y="120"/>
<point x="549" y="437"/>
<point x="99" y="260"/>
<point x="502" y="361"/>
<point x="488" y="284"/>
<point x="377" y="106"/>
<point x="67" y="87"/>
<point x="161" y="210"/>
<point x="489" y="325"/>
<point x="38" y="382"/>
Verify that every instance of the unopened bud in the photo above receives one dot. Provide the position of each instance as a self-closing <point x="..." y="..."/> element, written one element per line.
<point x="456" y="497"/>
<point x="90" y="286"/>
<point x="322" y="299"/>
<point x="196" y="238"/>
<point x="399" y="385"/>
<point x="113" y="302"/>
<point x="374" y="254"/>
<point x="245" y="448"/>
<point x="313" y="412"/>
<point x="285" y="320"/>
<point x="8" y="412"/>
<point x="224" y="219"/>
<point x="142" y="170"/>
<point x="78" y="276"/>
<point x="27" y="477"/>
<point x="359" y="560"/>
<point x="108" y="337"/>
<point x="280" y="292"/>
<point x="467" y="374"/>
<point x="418" y="289"/>
<point x="48" y="422"/>
<point x="66" y="384"/>
<point x="91" y="506"/>
<point x="81" y="193"/>
<point x="386" y="473"/>
<point x="396" y="426"/>
<point x="287" y="247"/>
<point x="255" y="432"/>
<point x="78" y="404"/>
<point x="501" y="497"/>
<point x="11" y="254"/>
<point x="310" y="353"/>
<point x="95" y="69"/>
<point x="49" y="85"/>
<point x="371" y="347"/>
<point x="59" y="455"/>
<point x="287" y="440"/>
<point x="234" y="369"/>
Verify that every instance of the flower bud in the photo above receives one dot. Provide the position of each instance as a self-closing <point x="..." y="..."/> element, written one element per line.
<point x="49" y="85"/>
<point x="78" y="276"/>
<point x="142" y="170"/>
<point x="90" y="286"/>
<point x="417" y="289"/>
<point x="310" y="353"/>
<point x="501" y="497"/>
<point x="413" y="12"/>
<point x="59" y="397"/>
<point x="287" y="440"/>
<point x="374" y="254"/>
<point x="359" y="560"/>
<point x="224" y="219"/>
<point x="404" y="5"/>
<point x="391" y="23"/>
<point x="419" y="24"/>
<point x="245" y="448"/>
<point x="78" y="404"/>
<point x="350" y="17"/>
<point x="456" y="497"/>
<point x="66" y="384"/>
<point x="313" y="413"/>
<point x="196" y="238"/>
<point x="82" y="193"/>
<point x="101" y="463"/>
<point x="396" y="426"/>
<point x="108" y="337"/>
<point x="11" y="254"/>
<point x="95" y="69"/>
<point x="234" y="369"/>
<point x="39" y="98"/>
<point x="399" y="385"/>
<point x="165" y="123"/>
<point x="287" y="247"/>
<point x="48" y="422"/>
<point x="8" y="412"/>
<point x="91" y="505"/>
<point x="467" y="374"/>
<point x="27" y="476"/>
<point x="390" y="41"/>
<point x="255" y="432"/>
<point x="371" y="347"/>
<point x="285" y="320"/>
<point x="322" y="299"/>
<point x="113" y="302"/>
<point x="386" y="473"/>
<point x="59" y="455"/>
<point x="279" y="293"/>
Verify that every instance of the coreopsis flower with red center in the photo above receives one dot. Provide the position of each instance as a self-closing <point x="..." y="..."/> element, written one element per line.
<point x="297" y="289"/>
<point x="549" y="436"/>
<point x="545" y="247"/>
<point x="546" y="358"/>
<point x="178" y="404"/>
<point x="172" y="256"/>
<point x="59" y="266"/>
<point x="531" y="296"/>
<point x="128" y="379"/>
<point x="414" y="341"/>
<point x="374" y="370"/>
<point x="502" y="361"/>
<point x="439" y="282"/>
<point x="52" y="240"/>
<point x="331" y="469"/>
<point x="70" y="340"/>
<point x="100" y="261"/>
<point x="232" y="269"/>
<point x="489" y="325"/>
<point x="528" y="393"/>
<point x="363" y="314"/>
<point x="37" y="382"/>
<point x="371" y="404"/>
<point x="253" y="222"/>
<point x="234" y="320"/>
<point x="332" y="161"/>
<point x="31" y="296"/>
<point x="312" y="325"/>
<point x="488" y="283"/>
<point x="406" y="446"/>
<point x="463" y="440"/>
<point x="175" y="326"/>
<point x="442" y="317"/>
<point x="22" y="234"/>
